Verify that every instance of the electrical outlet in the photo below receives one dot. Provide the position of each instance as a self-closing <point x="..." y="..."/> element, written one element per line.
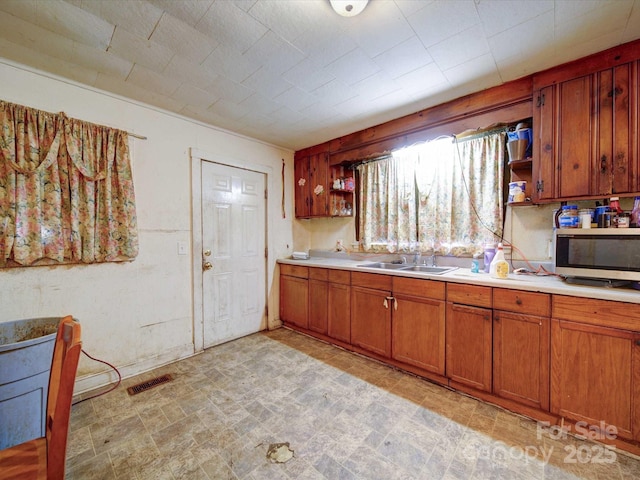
<point x="182" y="248"/>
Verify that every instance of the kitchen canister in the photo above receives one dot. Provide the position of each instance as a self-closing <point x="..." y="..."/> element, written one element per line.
<point x="517" y="192"/>
<point x="569" y="217"/>
<point x="586" y="217"/>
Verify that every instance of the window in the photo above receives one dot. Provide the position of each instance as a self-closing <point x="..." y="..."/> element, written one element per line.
<point x="443" y="197"/>
<point x="66" y="191"/>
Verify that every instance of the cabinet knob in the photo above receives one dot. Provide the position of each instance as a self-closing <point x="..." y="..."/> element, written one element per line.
<point x="518" y="301"/>
<point x="603" y="164"/>
<point x="638" y="342"/>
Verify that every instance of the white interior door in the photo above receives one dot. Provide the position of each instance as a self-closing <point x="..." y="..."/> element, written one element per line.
<point x="233" y="256"/>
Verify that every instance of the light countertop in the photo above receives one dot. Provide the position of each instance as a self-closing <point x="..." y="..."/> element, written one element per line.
<point x="533" y="283"/>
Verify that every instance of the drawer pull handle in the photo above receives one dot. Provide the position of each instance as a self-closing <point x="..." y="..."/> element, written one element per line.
<point x="518" y="301"/>
<point x="638" y="343"/>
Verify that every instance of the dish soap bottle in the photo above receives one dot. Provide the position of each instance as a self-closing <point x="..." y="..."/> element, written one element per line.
<point x="499" y="267"/>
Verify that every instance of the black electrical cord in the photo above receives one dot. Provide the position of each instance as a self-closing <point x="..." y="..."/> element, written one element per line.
<point x="106" y="391"/>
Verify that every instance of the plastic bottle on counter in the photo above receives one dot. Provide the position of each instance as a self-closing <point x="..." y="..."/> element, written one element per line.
<point x="475" y="263"/>
<point x="614" y="205"/>
<point x="635" y="213"/>
<point x="499" y="267"/>
<point x="489" y="252"/>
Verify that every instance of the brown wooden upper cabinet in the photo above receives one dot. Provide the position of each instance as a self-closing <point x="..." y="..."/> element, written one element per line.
<point x="586" y="137"/>
<point x="312" y="186"/>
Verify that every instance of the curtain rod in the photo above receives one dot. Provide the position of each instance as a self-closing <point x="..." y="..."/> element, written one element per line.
<point x="135" y="135"/>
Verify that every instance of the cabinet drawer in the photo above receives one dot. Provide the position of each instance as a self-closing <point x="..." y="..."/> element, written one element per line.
<point x="294" y="271"/>
<point x="371" y="280"/>
<point x="419" y="288"/>
<point x="532" y="303"/>
<point x="340" y="276"/>
<point x="597" y="312"/>
<point x="469" y="294"/>
<point x="318" y="273"/>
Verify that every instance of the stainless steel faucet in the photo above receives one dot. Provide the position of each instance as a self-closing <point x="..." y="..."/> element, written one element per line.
<point x="433" y="261"/>
<point x="416" y="258"/>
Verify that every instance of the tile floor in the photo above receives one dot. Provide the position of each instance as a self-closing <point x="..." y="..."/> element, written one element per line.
<point x="344" y="416"/>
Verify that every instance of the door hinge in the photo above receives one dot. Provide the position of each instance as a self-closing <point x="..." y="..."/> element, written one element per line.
<point x="266" y="194"/>
<point x="541" y="100"/>
<point x="540" y="186"/>
<point x="266" y="252"/>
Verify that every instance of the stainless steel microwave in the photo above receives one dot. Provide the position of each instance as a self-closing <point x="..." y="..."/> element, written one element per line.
<point x="608" y="253"/>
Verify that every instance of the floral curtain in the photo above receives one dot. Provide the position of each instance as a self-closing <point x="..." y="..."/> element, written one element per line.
<point x="66" y="190"/>
<point x="460" y="191"/>
<point x="443" y="197"/>
<point x="388" y="205"/>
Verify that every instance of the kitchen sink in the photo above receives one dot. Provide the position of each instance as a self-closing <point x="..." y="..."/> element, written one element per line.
<point x="387" y="265"/>
<point x="409" y="268"/>
<point x="425" y="269"/>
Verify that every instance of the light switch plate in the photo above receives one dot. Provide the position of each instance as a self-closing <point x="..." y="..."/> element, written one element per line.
<point x="182" y="248"/>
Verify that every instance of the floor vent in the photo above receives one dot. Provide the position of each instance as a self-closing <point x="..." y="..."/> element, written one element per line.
<point x="149" y="384"/>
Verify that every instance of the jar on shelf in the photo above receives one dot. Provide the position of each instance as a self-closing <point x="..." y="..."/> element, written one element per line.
<point x="569" y="217"/>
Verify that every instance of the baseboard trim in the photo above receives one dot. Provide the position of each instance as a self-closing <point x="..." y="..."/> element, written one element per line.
<point x="92" y="381"/>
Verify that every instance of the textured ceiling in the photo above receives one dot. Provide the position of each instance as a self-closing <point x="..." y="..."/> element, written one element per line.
<point x="294" y="73"/>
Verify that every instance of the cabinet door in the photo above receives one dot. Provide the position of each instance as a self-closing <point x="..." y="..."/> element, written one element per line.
<point x="544" y="163"/>
<point x="301" y="187"/>
<point x="614" y="169"/>
<point x="294" y="301"/>
<point x="468" y="346"/>
<point x="521" y="358"/>
<point x="340" y="312"/>
<point x="591" y="374"/>
<point x="418" y="332"/>
<point x="371" y="320"/>
<point x="319" y="177"/>
<point x="574" y="137"/>
<point x="318" y="305"/>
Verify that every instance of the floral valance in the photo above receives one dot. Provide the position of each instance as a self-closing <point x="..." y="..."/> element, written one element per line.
<point x="66" y="190"/>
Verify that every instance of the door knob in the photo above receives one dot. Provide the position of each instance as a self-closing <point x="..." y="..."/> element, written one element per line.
<point x="206" y="253"/>
<point x="207" y="266"/>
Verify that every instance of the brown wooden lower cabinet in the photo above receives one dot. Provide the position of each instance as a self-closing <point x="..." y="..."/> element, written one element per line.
<point x="418" y="323"/>
<point x="371" y="320"/>
<point x="577" y="358"/>
<point x="521" y="345"/>
<point x="318" y="305"/>
<point x="595" y="376"/>
<point x="469" y="359"/>
<point x="294" y="300"/>
<point x="521" y="358"/>
<point x="340" y="312"/>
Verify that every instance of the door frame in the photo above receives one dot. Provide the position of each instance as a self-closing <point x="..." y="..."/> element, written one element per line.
<point x="198" y="157"/>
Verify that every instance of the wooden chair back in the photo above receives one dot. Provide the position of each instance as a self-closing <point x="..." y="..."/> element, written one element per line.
<point x="44" y="458"/>
<point x="66" y="354"/>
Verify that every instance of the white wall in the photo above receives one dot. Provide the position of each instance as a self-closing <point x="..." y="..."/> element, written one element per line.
<point x="138" y="315"/>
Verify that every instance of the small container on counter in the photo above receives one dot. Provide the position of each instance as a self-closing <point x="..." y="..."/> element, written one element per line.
<point x="604" y="220"/>
<point x="623" y="220"/>
<point x="569" y="217"/>
<point x="475" y="264"/>
<point x="586" y="217"/>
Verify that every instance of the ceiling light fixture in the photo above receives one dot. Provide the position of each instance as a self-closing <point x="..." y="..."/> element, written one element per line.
<point x="348" y="8"/>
